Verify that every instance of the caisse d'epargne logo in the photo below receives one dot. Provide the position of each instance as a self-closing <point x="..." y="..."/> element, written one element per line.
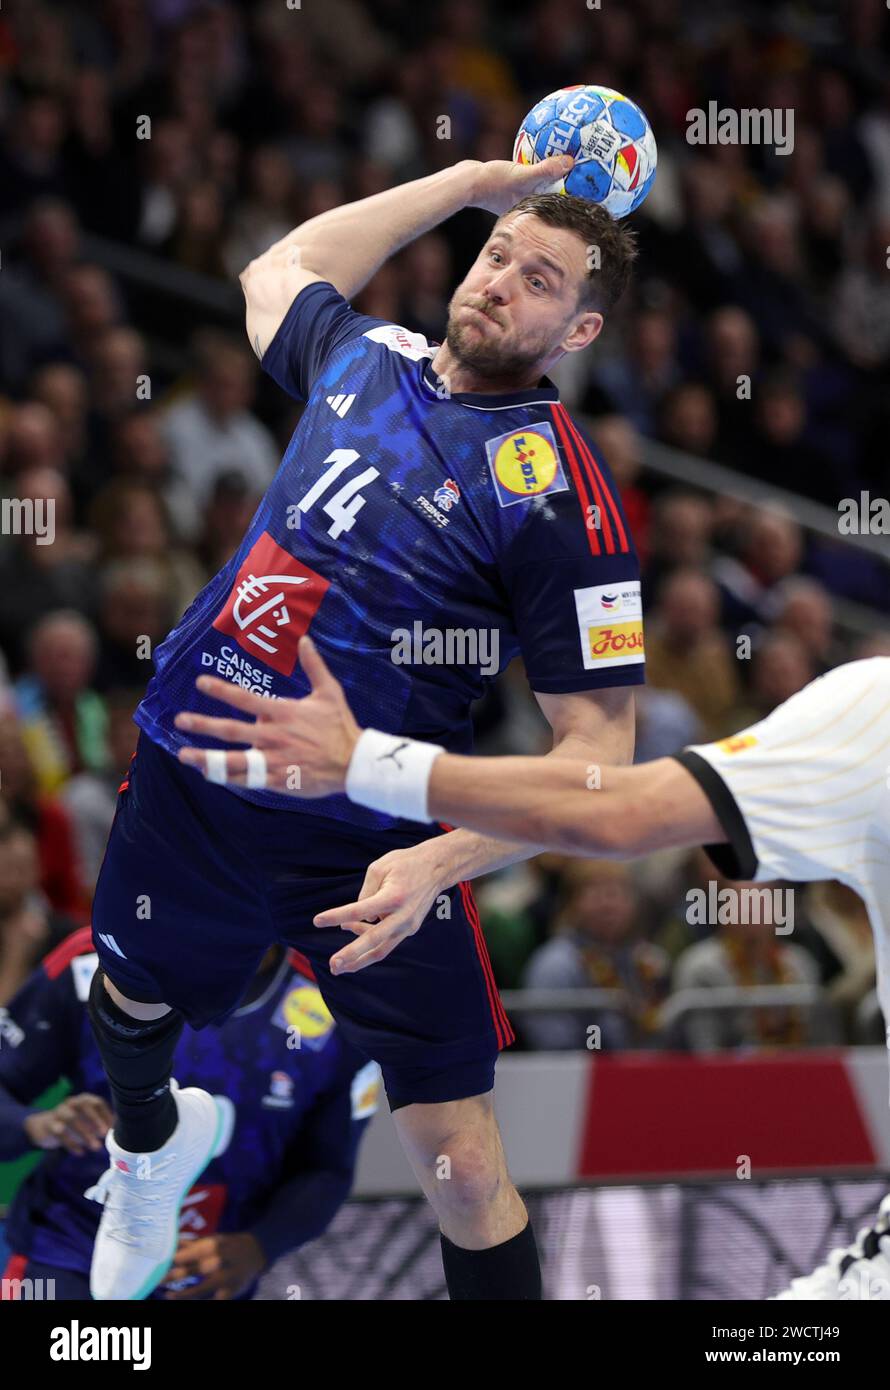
<point x="271" y="604"/>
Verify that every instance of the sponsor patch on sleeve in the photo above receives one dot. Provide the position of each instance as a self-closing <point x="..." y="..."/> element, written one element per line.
<point x="610" y="623"/>
<point x="525" y="463"/>
<point x="364" y="1091"/>
<point x="737" y="743"/>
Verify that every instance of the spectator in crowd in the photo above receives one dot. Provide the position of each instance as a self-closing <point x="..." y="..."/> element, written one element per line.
<point x="686" y="652"/>
<point x="785" y="448"/>
<point x="681" y="535"/>
<point x="32" y="319"/>
<point x="29" y="925"/>
<point x="63" y="720"/>
<point x="92" y="305"/>
<point x="138" y="450"/>
<point x="426" y="274"/>
<point x="636" y="384"/>
<point x="267" y="212"/>
<point x="211" y="431"/>
<point x="226" y="520"/>
<point x="134" y="617"/>
<point x="91" y="797"/>
<point x="769" y="550"/>
<point x="130" y="519"/>
<point x="781" y="665"/>
<point x="64" y="390"/>
<point x="742" y="954"/>
<point x="597" y="944"/>
<point x="732" y="364"/>
<point x="805" y="611"/>
<point x="688" y="420"/>
<point x="44" y="816"/>
<point x="34" y="439"/>
<point x="50" y="568"/>
<point x="862" y="304"/>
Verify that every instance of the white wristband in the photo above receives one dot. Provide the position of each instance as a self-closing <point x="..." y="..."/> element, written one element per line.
<point x="390" y="773"/>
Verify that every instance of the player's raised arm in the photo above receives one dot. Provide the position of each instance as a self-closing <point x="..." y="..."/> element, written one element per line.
<point x="346" y="245"/>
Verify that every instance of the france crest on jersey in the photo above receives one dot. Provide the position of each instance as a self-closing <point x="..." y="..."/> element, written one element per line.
<point x="425" y="537"/>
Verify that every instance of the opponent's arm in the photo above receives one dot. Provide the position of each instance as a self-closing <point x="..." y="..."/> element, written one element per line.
<point x="554" y="801"/>
<point x="594" y="726"/>
<point x="346" y="245"/>
<point x="618" y="814"/>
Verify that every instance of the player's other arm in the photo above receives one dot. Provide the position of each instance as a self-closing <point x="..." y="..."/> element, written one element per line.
<point x="347" y="245"/>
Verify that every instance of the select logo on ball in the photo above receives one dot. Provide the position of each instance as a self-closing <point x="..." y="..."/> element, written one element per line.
<point x="525" y="463"/>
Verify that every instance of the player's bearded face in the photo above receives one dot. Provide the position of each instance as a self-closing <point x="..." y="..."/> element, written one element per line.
<point x="483" y="335"/>
<point x="519" y="300"/>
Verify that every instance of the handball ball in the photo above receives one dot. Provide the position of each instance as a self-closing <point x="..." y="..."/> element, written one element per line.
<point x="608" y="137"/>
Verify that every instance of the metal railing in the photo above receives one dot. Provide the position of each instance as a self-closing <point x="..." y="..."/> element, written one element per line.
<point x="677" y="1008"/>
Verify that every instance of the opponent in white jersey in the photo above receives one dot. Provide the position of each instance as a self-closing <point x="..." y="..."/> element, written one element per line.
<point x="803" y="795"/>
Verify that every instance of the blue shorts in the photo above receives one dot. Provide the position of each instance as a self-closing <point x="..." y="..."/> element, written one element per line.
<point x="198" y="882"/>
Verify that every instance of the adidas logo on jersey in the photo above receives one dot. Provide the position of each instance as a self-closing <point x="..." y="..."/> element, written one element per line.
<point x="340" y="403"/>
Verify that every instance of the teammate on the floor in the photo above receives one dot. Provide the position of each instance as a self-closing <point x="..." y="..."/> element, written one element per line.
<point x="294" y="1118"/>
<point x="802" y="795"/>
<point x="436" y="514"/>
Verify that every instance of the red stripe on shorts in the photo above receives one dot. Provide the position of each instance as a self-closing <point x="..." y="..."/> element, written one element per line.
<point x="505" y="1034"/>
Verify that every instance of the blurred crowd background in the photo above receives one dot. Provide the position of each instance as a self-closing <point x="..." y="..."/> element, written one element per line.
<point x="128" y="395"/>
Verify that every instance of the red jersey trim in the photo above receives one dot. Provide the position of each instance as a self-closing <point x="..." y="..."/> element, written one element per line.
<point x="79" y="943"/>
<point x="593" y="539"/>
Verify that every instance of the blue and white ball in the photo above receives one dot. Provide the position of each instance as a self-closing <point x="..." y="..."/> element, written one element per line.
<point x="609" y="138"/>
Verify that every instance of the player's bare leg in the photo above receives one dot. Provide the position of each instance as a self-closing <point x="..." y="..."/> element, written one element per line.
<point x="456" y="1151"/>
<point x="163" y="1139"/>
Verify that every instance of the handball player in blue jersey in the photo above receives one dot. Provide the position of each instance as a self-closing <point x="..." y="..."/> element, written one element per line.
<point x="283" y="1164"/>
<point x="437" y="513"/>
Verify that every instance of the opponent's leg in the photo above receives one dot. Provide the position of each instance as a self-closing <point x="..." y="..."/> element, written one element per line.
<point x="488" y="1245"/>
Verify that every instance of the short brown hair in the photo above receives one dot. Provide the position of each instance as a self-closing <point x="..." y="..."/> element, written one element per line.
<point x="617" y="244"/>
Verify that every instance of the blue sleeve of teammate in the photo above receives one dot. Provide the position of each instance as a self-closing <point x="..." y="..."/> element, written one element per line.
<point x="32" y="1054"/>
<point x="322" y="1161"/>
<point x="316" y="324"/>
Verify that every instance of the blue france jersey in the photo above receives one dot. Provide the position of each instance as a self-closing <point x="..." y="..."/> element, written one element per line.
<point x="426" y="538"/>
<point x="297" y="1094"/>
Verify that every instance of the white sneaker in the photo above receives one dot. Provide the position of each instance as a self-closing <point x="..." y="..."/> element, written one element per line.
<point x="857" y="1271"/>
<point x="141" y="1196"/>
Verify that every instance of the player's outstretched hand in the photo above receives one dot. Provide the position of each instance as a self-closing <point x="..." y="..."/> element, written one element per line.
<point x="500" y="183"/>
<point x="301" y="747"/>
<point x="397" y="894"/>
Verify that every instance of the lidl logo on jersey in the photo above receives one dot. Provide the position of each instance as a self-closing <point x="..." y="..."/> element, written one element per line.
<point x="610" y="623"/>
<point x="271" y="604"/>
<point x="525" y="463"/>
<point x="737" y="743"/>
<point x="304" y="1009"/>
